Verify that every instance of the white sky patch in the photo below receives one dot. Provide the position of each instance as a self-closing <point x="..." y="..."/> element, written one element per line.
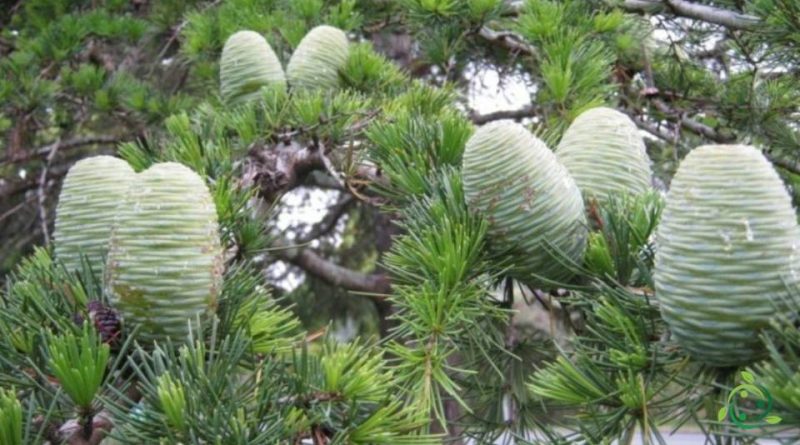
<point x="305" y="207"/>
<point x="489" y="91"/>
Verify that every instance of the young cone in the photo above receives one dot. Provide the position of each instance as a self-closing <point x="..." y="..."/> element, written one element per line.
<point x="247" y="64"/>
<point x="533" y="206"/>
<point x="604" y="152"/>
<point x="165" y="263"/>
<point x="318" y="58"/>
<point x="86" y="207"/>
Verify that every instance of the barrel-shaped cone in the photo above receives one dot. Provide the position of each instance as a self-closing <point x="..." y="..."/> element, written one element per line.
<point x="247" y="64"/>
<point x="726" y="253"/>
<point x="318" y="58"/>
<point x="533" y="206"/>
<point x="605" y="154"/>
<point x="92" y="190"/>
<point x="165" y="263"/>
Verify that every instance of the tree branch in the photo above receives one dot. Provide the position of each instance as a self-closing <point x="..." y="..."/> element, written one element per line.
<point x="692" y="125"/>
<point x="283" y="166"/>
<point x="683" y="8"/>
<point x="654" y="129"/>
<point x="9" y="189"/>
<point x="786" y="164"/>
<point x="43" y="151"/>
<point x="708" y="132"/>
<point x="279" y="168"/>
<point x="508" y="40"/>
<point x="377" y="285"/>
<point x="526" y="111"/>
<point x="328" y="223"/>
<point x="322" y="180"/>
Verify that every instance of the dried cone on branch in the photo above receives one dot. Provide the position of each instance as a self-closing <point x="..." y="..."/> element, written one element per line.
<point x="727" y="252"/>
<point x="165" y="262"/>
<point x="534" y="208"/>
<point x="605" y="154"/>
<point x="318" y="58"/>
<point x="248" y="63"/>
<point x="105" y="320"/>
<point x="86" y="207"/>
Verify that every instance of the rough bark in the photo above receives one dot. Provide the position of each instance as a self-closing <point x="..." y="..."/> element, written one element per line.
<point x="681" y="8"/>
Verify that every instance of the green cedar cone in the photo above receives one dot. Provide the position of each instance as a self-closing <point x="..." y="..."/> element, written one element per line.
<point x="248" y="63"/>
<point x="165" y="263"/>
<point x="727" y="251"/>
<point x="318" y="58"/>
<point x="92" y="190"/>
<point x="531" y="202"/>
<point x="605" y="153"/>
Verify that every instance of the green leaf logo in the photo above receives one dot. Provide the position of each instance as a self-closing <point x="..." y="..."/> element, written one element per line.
<point x="745" y="418"/>
<point x="722" y="414"/>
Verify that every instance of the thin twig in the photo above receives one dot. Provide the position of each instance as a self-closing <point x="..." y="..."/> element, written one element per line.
<point x="63" y="145"/>
<point x="17" y="207"/>
<point x="177" y="31"/>
<point x="707" y="132"/>
<point x="42" y="192"/>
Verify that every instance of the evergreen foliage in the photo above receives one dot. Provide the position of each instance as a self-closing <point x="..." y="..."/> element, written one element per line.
<point x="499" y="301"/>
<point x="11" y="413"/>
